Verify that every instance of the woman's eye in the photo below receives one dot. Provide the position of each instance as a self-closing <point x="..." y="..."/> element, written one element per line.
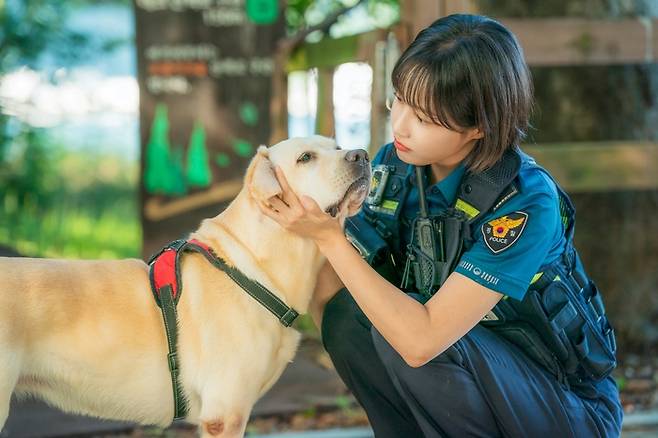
<point x="305" y="157"/>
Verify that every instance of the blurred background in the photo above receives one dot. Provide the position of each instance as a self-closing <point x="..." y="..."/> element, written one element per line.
<point x="124" y="123"/>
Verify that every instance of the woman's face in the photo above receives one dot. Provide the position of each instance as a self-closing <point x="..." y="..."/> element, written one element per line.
<point x="420" y="141"/>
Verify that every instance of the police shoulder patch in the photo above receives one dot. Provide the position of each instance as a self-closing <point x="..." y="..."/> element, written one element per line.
<point x="503" y="232"/>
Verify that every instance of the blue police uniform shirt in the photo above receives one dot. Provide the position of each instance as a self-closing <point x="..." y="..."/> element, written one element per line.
<point x="534" y="213"/>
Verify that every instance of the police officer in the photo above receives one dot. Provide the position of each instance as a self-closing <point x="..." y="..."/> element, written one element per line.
<point x="514" y="341"/>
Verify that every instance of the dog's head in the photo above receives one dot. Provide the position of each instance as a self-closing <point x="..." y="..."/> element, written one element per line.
<point x="336" y="179"/>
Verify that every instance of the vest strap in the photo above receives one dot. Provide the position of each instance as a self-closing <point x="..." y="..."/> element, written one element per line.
<point x="478" y="192"/>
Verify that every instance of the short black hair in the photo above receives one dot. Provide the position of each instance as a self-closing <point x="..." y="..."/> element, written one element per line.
<point x="467" y="71"/>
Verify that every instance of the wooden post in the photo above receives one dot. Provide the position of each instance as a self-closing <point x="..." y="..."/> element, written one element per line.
<point x="417" y="14"/>
<point x="279" y="100"/>
<point x="324" y="120"/>
<point x="378" y="97"/>
<point x="459" y="7"/>
<point x="384" y="57"/>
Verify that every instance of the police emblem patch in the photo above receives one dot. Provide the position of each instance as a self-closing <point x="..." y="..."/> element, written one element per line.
<point x="499" y="234"/>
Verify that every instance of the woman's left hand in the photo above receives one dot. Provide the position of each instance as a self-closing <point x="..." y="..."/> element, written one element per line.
<point x="300" y="216"/>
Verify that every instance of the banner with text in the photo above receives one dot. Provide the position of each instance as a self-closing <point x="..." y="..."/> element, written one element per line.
<point x="204" y="70"/>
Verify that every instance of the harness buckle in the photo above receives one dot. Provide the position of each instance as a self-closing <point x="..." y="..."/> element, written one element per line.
<point x="172" y="362"/>
<point x="177" y="244"/>
<point x="289" y="317"/>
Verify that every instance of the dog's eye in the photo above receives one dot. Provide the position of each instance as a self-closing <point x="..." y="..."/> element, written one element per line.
<point x="305" y="157"/>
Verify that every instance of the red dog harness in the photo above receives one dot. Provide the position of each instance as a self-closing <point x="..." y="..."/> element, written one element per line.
<point x="167" y="287"/>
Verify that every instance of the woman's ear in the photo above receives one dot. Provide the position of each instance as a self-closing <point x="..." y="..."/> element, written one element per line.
<point x="260" y="179"/>
<point x="477" y="134"/>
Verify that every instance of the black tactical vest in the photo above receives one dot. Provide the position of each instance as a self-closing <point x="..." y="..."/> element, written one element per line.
<point x="561" y="321"/>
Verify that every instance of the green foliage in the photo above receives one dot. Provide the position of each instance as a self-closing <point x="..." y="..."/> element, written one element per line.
<point x="31" y="28"/>
<point x="24" y="172"/>
<point x="53" y="202"/>
<point x="58" y="203"/>
<point x="343" y="402"/>
<point x="304" y="323"/>
<point x="296" y="13"/>
<point x="304" y="13"/>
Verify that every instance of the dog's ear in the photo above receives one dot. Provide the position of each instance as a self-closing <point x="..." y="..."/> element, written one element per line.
<point x="260" y="179"/>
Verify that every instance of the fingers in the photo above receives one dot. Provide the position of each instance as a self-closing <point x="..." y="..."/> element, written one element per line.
<point x="275" y="209"/>
<point x="288" y="194"/>
<point x="277" y="204"/>
<point x="309" y="204"/>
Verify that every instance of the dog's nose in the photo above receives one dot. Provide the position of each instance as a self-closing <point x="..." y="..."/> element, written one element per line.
<point x="357" y="155"/>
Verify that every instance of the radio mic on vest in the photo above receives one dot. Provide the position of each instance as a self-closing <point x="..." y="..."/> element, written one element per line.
<point x="425" y="251"/>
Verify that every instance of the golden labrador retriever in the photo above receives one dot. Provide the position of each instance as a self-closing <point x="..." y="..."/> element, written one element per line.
<point x="88" y="337"/>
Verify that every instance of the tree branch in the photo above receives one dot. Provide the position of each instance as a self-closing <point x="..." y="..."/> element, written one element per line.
<point x="290" y="43"/>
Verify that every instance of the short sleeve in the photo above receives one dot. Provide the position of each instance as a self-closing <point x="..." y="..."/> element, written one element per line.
<point x="513" y="243"/>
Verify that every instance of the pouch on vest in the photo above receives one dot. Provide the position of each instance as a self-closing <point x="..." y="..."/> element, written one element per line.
<point x="372" y="247"/>
<point x="370" y="231"/>
<point x="569" y="317"/>
<point x="564" y="308"/>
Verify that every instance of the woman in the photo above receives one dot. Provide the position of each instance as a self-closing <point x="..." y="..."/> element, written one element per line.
<point x="463" y="97"/>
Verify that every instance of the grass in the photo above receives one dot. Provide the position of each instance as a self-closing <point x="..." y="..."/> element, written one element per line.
<point x="82" y="204"/>
<point x="74" y="232"/>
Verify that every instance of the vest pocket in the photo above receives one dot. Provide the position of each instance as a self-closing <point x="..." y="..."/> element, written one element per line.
<point x="524" y="336"/>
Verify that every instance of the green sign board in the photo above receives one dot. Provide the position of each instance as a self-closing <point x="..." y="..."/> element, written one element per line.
<point x="205" y="73"/>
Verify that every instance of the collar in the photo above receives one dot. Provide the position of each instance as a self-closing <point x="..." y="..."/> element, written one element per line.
<point x="448" y="186"/>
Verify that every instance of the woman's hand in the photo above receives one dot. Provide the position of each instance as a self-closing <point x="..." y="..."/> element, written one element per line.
<point x="300" y="216"/>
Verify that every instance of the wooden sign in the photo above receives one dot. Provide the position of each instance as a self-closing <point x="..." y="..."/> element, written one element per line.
<point x="205" y="73"/>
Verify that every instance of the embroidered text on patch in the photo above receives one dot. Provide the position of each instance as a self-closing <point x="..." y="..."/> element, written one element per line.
<point x="500" y="234"/>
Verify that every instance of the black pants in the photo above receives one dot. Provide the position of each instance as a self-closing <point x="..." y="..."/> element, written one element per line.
<point x="481" y="386"/>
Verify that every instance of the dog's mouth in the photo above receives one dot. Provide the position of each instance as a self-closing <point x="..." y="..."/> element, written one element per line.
<point x="355" y="193"/>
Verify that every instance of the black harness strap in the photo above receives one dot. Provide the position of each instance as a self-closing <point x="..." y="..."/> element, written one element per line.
<point x="167" y="290"/>
<point x="284" y="313"/>
<point x="170" y="318"/>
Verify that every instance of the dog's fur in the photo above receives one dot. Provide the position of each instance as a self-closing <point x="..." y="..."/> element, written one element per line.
<point x="87" y="336"/>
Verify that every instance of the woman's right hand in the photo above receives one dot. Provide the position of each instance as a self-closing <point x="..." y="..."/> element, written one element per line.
<point x="328" y="284"/>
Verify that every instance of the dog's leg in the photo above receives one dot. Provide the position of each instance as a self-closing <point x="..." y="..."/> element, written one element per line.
<point x="230" y="425"/>
<point x="222" y="419"/>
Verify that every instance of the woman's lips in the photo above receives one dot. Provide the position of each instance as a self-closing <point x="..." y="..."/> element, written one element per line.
<point x="399" y="146"/>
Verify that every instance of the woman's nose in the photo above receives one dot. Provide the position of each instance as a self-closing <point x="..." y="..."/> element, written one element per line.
<point x="399" y="121"/>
